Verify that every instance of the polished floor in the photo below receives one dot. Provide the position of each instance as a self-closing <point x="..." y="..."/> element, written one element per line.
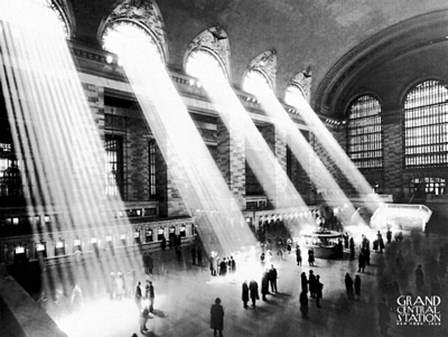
<point x="184" y="294"/>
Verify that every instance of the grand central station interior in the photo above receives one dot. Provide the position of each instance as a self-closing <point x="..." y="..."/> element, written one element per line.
<point x="161" y="159"/>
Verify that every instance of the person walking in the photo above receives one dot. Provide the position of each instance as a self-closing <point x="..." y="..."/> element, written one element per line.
<point x="144" y="316"/>
<point x="253" y="290"/>
<point x="358" y="286"/>
<point x="361" y="262"/>
<point x="232" y="265"/>
<point x="389" y="235"/>
<point x="76" y="299"/>
<point x="380" y="241"/>
<point x="304" y="282"/>
<point x="352" y="248"/>
<point x="245" y="294"/>
<point x="265" y="285"/>
<point x="312" y="284"/>
<point x="273" y="275"/>
<point x="217" y="317"/>
<point x="349" y="285"/>
<point x="138" y="296"/>
<point x="223" y="267"/>
<point x="298" y="256"/>
<point x="151" y="297"/>
<point x="319" y="290"/>
<point x="311" y="257"/>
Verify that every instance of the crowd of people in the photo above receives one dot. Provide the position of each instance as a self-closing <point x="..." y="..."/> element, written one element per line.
<point x="311" y="286"/>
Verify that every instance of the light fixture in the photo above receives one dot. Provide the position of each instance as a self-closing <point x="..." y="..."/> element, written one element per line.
<point x="109" y="59"/>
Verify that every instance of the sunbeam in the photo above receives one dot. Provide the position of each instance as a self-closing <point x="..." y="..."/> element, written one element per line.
<point x="203" y="190"/>
<point x="51" y="122"/>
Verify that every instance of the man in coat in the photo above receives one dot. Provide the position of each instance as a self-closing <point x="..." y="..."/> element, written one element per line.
<point x="253" y="289"/>
<point x="138" y="296"/>
<point x="319" y="291"/>
<point x="151" y="296"/>
<point x="312" y="284"/>
<point x="265" y="285"/>
<point x="304" y="282"/>
<point x="273" y="275"/>
<point x="217" y="317"/>
<point x="245" y="294"/>
<point x="349" y="286"/>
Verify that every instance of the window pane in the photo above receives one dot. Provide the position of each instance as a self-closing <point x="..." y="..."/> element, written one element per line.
<point x="255" y="82"/>
<point x="202" y="63"/>
<point x="114" y="164"/>
<point x="152" y="168"/>
<point x="425" y="124"/>
<point x="365" y="132"/>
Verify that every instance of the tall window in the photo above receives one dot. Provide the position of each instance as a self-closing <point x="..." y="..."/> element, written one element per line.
<point x="152" y="167"/>
<point x="10" y="179"/>
<point x="426" y="125"/>
<point x="253" y="186"/>
<point x="365" y="138"/>
<point x="114" y="165"/>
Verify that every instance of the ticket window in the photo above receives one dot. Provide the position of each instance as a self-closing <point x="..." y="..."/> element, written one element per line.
<point x="172" y="233"/>
<point x="77" y="245"/>
<point x="137" y="238"/>
<point x="110" y="244"/>
<point x="160" y="234"/>
<point x="148" y="235"/>
<point x="183" y="231"/>
<point x="123" y="239"/>
<point x="47" y="220"/>
<point x="41" y="249"/>
<point x="59" y="248"/>
<point x="94" y="245"/>
<point x="20" y="254"/>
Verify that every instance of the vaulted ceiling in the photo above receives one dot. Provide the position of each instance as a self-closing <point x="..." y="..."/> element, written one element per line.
<point x="351" y="45"/>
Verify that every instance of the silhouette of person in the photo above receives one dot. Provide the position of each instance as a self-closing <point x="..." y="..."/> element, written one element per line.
<point x="217" y="317"/>
<point x="245" y="294"/>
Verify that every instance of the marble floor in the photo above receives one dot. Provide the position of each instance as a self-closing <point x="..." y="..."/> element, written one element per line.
<point x="184" y="294"/>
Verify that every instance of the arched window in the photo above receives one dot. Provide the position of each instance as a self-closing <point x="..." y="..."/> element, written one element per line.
<point x="126" y="38"/>
<point x="255" y="81"/>
<point x="203" y="62"/>
<point x="208" y="55"/>
<point x="365" y="141"/>
<point x="293" y="94"/>
<point x="135" y="26"/>
<point x="61" y="14"/>
<point x="426" y="125"/>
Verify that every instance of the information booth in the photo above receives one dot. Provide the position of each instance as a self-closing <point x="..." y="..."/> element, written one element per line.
<point x="322" y="241"/>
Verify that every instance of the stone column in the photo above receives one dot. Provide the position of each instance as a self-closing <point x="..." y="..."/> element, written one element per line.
<point x="171" y="204"/>
<point x="276" y="139"/>
<point x="231" y="160"/>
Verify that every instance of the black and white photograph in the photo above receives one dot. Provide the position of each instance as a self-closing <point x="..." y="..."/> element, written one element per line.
<point x="210" y="168"/>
